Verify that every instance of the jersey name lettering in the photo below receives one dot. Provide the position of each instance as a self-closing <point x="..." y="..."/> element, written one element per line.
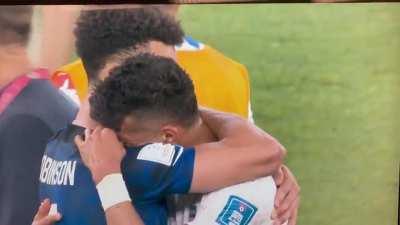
<point x="55" y="172"/>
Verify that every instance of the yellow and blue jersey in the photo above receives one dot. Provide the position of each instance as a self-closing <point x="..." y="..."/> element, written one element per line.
<point x="220" y="82"/>
<point x="150" y="172"/>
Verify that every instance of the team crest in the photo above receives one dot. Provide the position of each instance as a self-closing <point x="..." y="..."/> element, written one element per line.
<point x="237" y="211"/>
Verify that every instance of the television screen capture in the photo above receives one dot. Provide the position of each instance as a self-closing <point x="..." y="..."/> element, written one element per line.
<point x="200" y="114"/>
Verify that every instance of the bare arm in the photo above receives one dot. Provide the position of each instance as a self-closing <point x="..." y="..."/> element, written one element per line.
<point x="243" y="152"/>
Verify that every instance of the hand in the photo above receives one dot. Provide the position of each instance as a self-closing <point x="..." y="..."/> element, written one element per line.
<point x="287" y="197"/>
<point x="42" y="216"/>
<point x="101" y="152"/>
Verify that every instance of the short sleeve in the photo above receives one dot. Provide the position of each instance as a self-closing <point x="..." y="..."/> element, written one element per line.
<point x="179" y="179"/>
<point x="156" y="170"/>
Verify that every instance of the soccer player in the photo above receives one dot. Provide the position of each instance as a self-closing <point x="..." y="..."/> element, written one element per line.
<point x="160" y="97"/>
<point x="208" y="68"/>
<point x="102" y="165"/>
<point x="237" y="204"/>
<point x="136" y="30"/>
<point x="31" y="111"/>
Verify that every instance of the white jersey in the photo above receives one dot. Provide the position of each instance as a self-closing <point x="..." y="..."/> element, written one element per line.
<point x="249" y="203"/>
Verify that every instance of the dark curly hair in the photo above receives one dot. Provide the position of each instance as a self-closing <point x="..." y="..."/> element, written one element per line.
<point x="103" y="33"/>
<point x="15" y="24"/>
<point x="145" y="87"/>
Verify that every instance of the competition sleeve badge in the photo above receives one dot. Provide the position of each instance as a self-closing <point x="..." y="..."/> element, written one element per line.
<point x="237" y="211"/>
<point x="158" y="153"/>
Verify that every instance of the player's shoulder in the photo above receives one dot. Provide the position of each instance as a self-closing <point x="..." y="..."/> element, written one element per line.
<point x="191" y="45"/>
<point x="154" y="162"/>
<point x="225" y="59"/>
<point x="76" y="65"/>
<point x="62" y="142"/>
<point x="153" y="169"/>
<point x="72" y="80"/>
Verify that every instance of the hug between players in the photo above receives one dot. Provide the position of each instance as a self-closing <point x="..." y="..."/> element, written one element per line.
<point x="149" y="126"/>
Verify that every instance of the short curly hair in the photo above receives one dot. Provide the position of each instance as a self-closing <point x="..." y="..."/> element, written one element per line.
<point x="145" y="87"/>
<point x="103" y="33"/>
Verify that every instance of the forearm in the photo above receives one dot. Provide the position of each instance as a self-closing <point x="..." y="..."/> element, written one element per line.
<point x="219" y="123"/>
<point x="243" y="153"/>
<point x="123" y="214"/>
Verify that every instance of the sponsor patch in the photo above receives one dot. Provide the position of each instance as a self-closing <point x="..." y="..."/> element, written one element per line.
<point x="237" y="211"/>
<point x="158" y="152"/>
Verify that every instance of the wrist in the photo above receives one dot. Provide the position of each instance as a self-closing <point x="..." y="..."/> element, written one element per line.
<point x="112" y="190"/>
<point x="102" y="173"/>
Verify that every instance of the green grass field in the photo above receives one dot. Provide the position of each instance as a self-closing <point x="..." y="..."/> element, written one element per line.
<point x="325" y="81"/>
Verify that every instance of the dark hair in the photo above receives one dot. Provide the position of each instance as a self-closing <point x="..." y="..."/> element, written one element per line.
<point x="147" y="87"/>
<point x="106" y="32"/>
<point x="15" y="24"/>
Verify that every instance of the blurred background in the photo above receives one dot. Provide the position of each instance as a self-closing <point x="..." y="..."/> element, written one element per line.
<point x="325" y="81"/>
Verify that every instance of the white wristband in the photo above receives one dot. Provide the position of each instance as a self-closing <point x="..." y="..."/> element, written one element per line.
<point x="112" y="190"/>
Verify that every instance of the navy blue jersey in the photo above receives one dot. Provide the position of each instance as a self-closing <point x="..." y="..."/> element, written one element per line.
<point x="151" y="172"/>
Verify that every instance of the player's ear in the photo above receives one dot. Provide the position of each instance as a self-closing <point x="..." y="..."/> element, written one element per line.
<point x="170" y="133"/>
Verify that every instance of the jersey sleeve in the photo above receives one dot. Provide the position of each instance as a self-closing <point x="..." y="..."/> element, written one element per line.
<point x="179" y="178"/>
<point x="159" y="169"/>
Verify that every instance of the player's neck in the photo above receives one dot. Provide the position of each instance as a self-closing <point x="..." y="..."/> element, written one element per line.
<point x="198" y="134"/>
<point x="83" y="117"/>
<point x="14" y="61"/>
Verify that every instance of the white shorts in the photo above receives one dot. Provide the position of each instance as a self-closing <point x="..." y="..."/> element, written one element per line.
<point x="249" y="203"/>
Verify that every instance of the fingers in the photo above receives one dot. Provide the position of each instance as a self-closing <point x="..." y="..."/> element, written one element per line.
<point x="50" y="219"/>
<point x="279" y="177"/>
<point x="87" y="134"/>
<point x="97" y="132"/>
<point x="293" y="217"/>
<point x="282" y="191"/>
<point x="287" y="214"/>
<point x="108" y="133"/>
<point x="43" y="210"/>
<point x="82" y="148"/>
<point x="79" y="141"/>
<point x="288" y="200"/>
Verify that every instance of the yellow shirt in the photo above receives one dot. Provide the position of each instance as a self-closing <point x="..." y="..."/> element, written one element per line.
<point x="220" y="83"/>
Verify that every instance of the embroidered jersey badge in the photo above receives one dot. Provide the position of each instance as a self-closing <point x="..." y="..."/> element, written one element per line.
<point x="237" y="211"/>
